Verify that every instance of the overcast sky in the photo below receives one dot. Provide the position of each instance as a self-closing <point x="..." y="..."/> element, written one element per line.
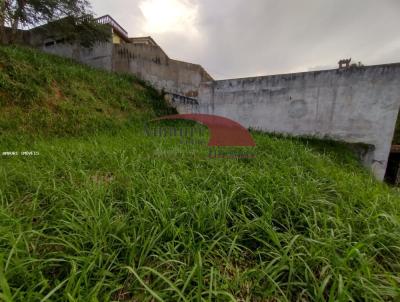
<point x="240" y="38"/>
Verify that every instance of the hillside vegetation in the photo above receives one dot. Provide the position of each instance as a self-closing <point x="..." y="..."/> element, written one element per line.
<point x="106" y="213"/>
<point x="49" y="95"/>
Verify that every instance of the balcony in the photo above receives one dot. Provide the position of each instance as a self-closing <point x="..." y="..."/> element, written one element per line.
<point x="107" y="19"/>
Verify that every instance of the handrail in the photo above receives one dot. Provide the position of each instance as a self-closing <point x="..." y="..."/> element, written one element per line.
<point x="107" y="19"/>
<point x="183" y="99"/>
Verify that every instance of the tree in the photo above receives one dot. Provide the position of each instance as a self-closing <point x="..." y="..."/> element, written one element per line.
<point x="84" y="30"/>
<point x="2" y="19"/>
<point x="66" y="16"/>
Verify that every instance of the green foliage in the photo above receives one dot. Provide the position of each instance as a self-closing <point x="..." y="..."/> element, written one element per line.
<point x="120" y="216"/>
<point x="55" y="96"/>
<point x="72" y="19"/>
<point x="85" y="31"/>
<point x="37" y="11"/>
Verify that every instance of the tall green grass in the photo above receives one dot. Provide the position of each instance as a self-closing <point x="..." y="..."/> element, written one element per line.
<point x="121" y="216"/>
<point x="41" y="94"/>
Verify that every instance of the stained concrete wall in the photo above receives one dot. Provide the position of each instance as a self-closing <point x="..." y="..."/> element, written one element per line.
<point x="23" y="37"/>
<point x="140" y="56"/>
<point x="100" y="56"/>
<point x="147" y="62"/>
<point x="357" y="105"/>
<point x="150" y="63"/>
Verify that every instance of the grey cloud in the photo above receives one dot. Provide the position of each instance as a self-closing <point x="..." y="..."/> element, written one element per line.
<point x="253" y="37"/>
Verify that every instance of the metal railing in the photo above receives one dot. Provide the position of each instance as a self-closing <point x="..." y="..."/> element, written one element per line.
<point x="182" y="99"/>
<point x="107" y="19"/>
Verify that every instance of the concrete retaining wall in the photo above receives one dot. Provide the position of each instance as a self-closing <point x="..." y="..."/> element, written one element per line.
<point x="147" y="62"/>
<point x="357" y="105"/>
<point x="100" y="56"/>
<point x="150" y="63"/>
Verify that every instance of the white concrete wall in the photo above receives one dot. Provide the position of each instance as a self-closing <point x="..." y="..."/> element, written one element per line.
<point x="358" y="105"/>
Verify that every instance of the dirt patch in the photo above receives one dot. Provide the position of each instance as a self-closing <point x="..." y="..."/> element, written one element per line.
<point x="138" y="87"/>
<point x="103" y="178"/>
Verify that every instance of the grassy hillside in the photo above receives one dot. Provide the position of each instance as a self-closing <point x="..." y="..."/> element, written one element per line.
<point x="48" y="95"/>
<point x="116" y="215"/>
